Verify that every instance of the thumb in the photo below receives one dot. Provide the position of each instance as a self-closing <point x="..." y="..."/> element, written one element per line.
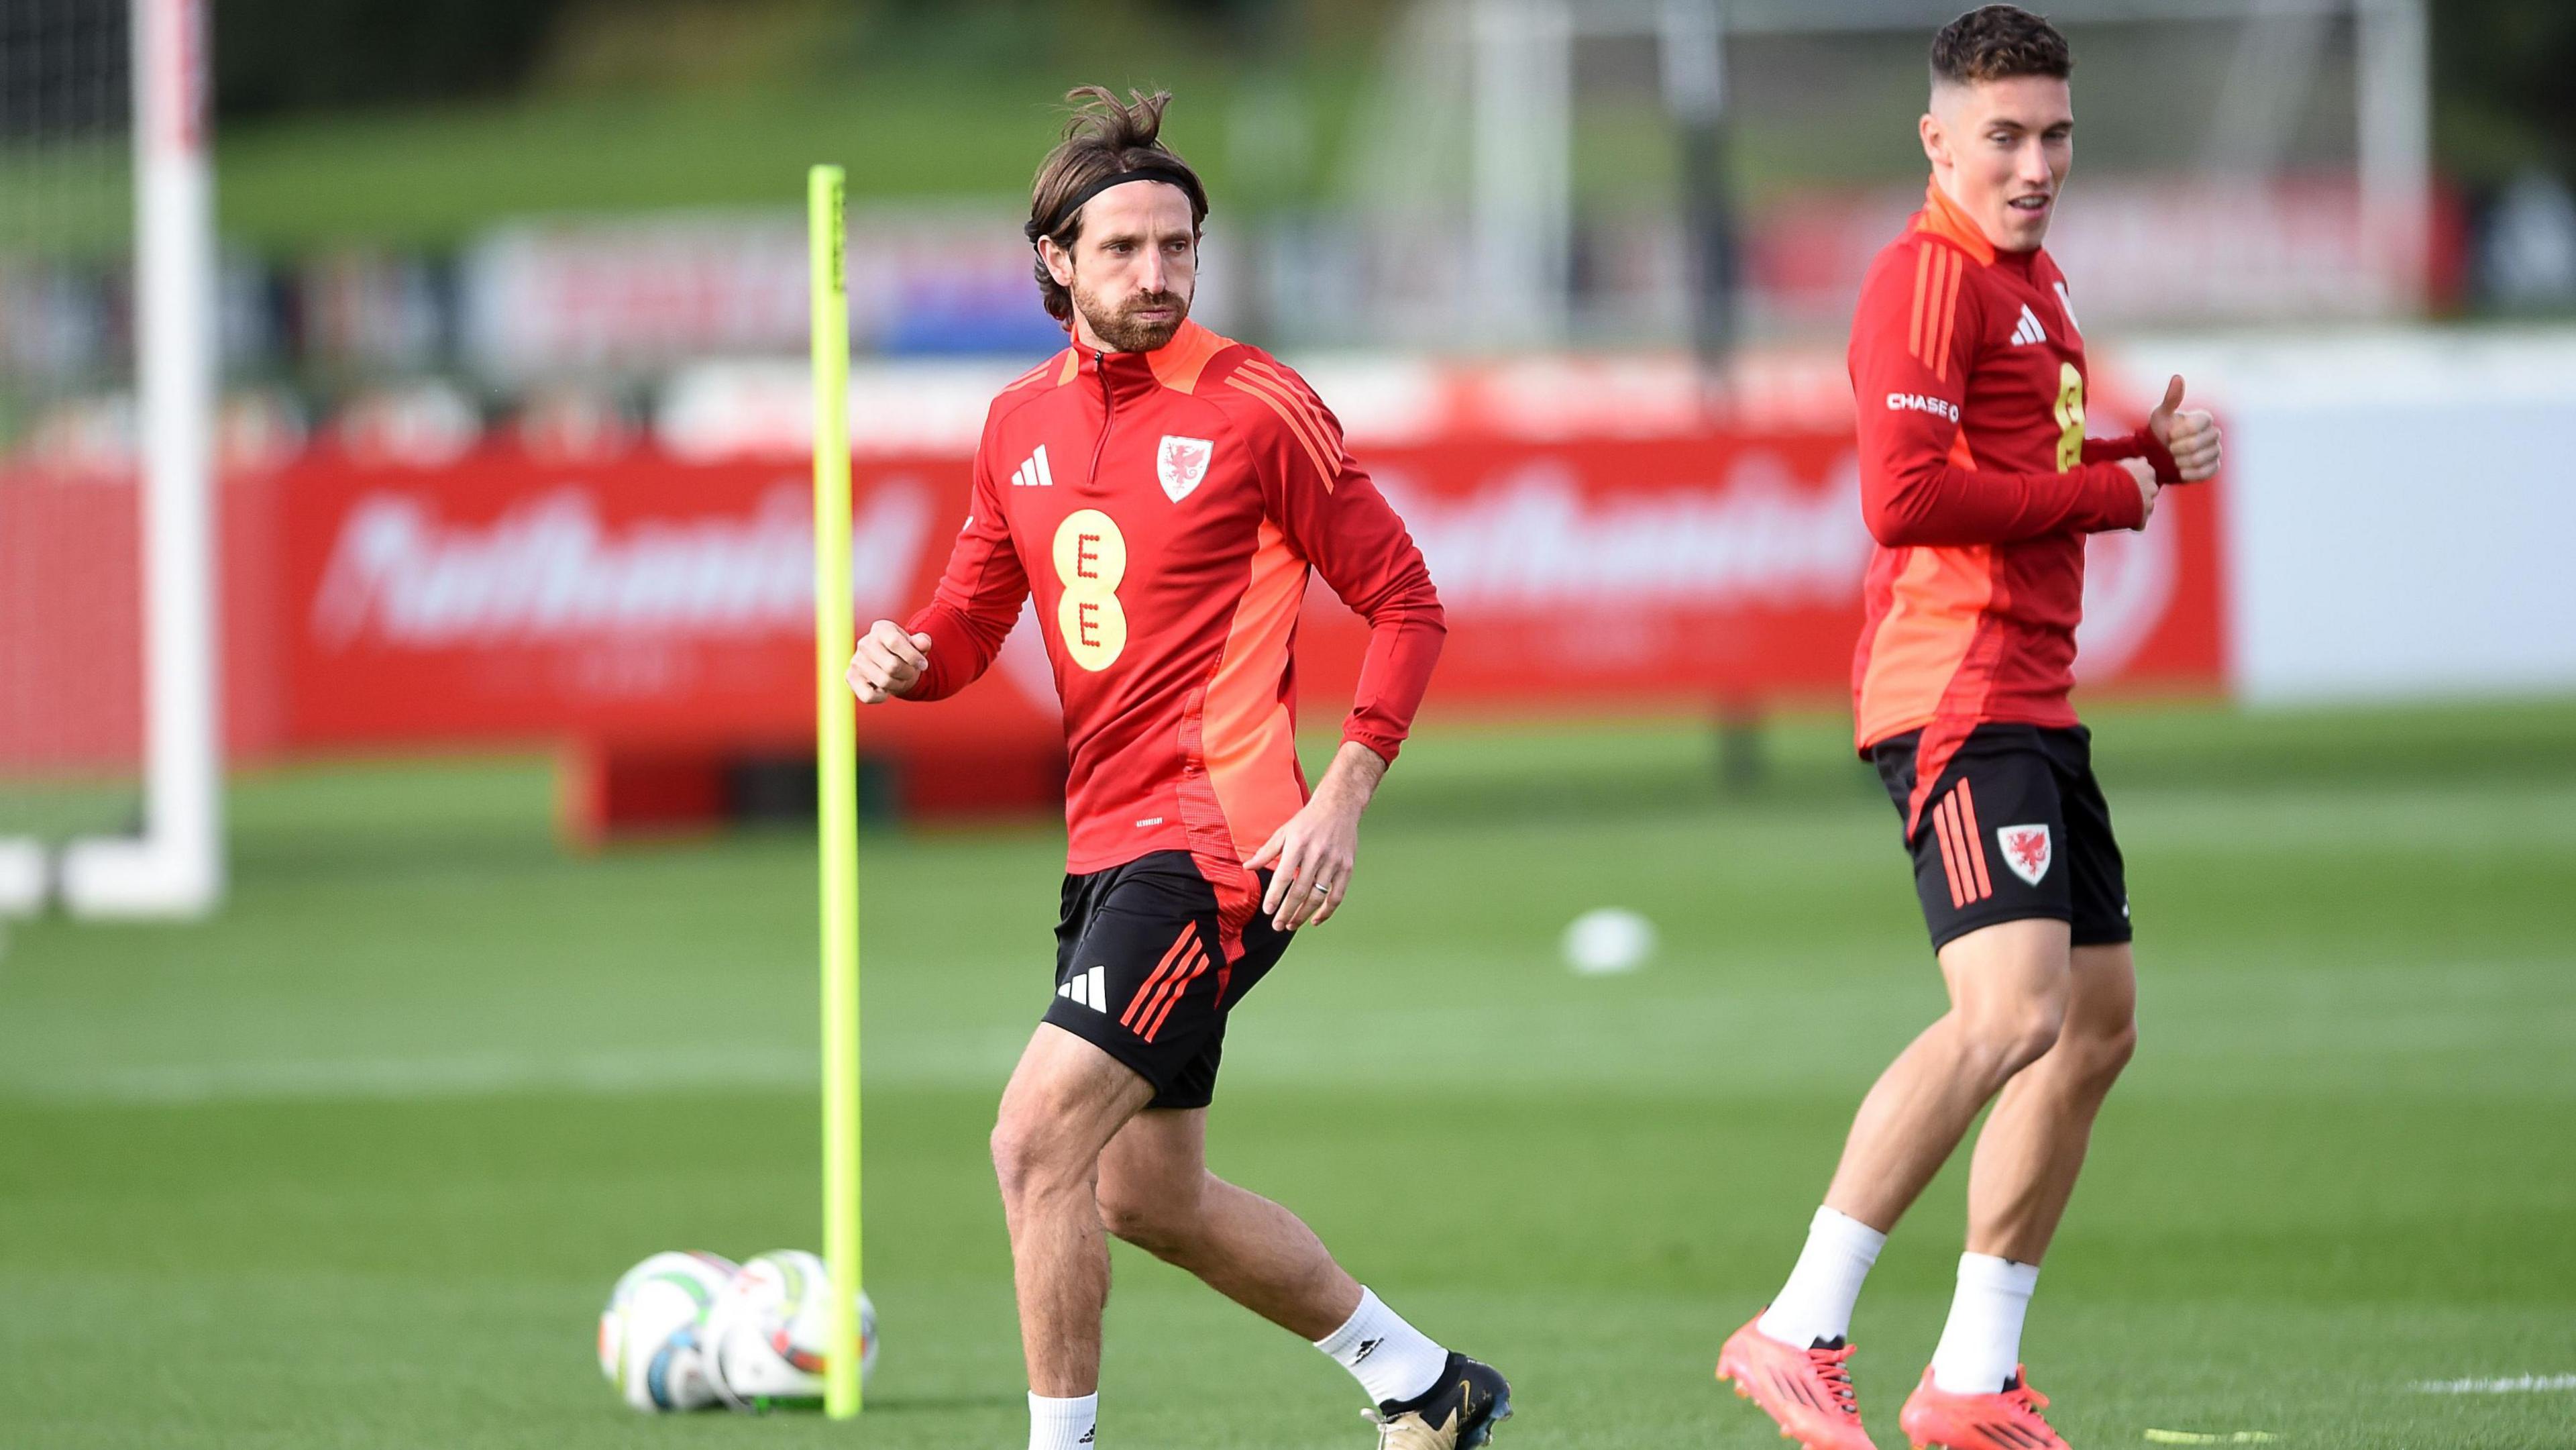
<point x="921" y="642"/>
<point x="2173" y="396"/>
<point x="1269" y="851"/>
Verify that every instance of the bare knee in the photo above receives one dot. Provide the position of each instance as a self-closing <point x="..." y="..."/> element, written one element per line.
<point x="1163" y="1221"/>
<point x="2095" y="1055"/>
<point x="1032" y="1161"/>
<point x="2000" y="1039"/>
<point x="1016" y="1159"/>
<point x="2010" y="987"/>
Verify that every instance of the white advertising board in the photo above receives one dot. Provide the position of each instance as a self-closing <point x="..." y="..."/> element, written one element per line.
<point x="2400" y="509"/>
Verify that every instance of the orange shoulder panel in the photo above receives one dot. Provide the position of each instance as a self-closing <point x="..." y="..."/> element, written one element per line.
<point x="1178" y="363"/>
<point x="1061" y="365"/>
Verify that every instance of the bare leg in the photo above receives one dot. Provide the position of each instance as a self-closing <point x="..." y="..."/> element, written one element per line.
<point x="1066" y="1100"/>
<point x="1156" y="1193"/>
<point x="2033" y="1143"/>
<point x="2009" y="985"/>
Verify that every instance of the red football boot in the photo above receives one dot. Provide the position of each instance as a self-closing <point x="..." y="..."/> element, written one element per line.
<point x="2007" y="1419"/>
<point x="1809" y="1391"/>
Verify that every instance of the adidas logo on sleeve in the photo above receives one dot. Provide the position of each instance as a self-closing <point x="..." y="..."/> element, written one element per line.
<point x="2026" y="332"/>
<point x="1034" y="473"/>
<point x="1089" y="989"/>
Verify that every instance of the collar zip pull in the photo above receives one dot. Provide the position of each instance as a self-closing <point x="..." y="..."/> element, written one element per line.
<point x="1108" y="410"/>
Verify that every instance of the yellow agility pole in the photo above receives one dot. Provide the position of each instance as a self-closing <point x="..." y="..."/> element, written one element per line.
<point x="836" y="770"/>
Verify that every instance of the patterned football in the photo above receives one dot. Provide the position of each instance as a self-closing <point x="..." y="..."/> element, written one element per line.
<point x="766" y="1334"/>
<point x="648" y="1333"/>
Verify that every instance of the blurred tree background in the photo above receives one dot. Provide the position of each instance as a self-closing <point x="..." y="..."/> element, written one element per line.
<point x="2504" y="78"/>
<point x="356" y="120"/>
<point x="301" y="57"/>
<point x="347" y="120"/>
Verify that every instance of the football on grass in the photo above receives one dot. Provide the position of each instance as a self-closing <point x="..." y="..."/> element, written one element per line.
<point x="766" y="1334"/>
<point x="648" y="1334"/>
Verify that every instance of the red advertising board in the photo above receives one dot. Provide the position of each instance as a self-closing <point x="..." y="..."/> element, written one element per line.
<point x="654" y="600"/>
<point x="71" y="621"/>
<point x="1722" y="569"/>
<point x="643" y="599"/>
<point x="651" y="606"/>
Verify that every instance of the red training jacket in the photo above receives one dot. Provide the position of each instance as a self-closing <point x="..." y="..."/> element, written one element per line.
<point x="1977" y="483"/>
<point x="1166" y="507"/>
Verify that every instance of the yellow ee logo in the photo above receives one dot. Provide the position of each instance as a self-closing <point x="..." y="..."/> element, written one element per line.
<point x="2070" y="417"/>
<point x="1091" y="560"/>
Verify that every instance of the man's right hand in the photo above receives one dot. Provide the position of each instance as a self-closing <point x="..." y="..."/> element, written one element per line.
<point x="888" y="662"/>
<point x="2145" y="473"/>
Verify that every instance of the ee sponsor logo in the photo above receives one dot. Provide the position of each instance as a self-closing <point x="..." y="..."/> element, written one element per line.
<point x="2070" y="417"/>
<point x="1091" y="562"/>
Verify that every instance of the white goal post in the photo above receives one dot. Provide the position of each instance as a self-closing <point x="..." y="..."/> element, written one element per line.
<point x="175" y="866"/>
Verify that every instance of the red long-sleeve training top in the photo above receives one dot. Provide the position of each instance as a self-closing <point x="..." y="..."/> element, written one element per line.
<point x="1165" y="508"/>
<point x="1978" y="484"/>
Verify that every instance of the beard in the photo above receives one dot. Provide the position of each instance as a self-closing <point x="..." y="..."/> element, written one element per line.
<point x="1120" y="327"/>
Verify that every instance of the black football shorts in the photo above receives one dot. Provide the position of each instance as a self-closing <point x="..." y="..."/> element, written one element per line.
<point x="1141" y="971"/>
<point x="2011" y="826"/>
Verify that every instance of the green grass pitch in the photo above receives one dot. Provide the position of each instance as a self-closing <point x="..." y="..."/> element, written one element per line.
<point x="355" y="1164"/>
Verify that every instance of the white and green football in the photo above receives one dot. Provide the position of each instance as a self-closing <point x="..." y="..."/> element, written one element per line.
<point x="648" y="1334"/>
<point x="766" y="1335"/>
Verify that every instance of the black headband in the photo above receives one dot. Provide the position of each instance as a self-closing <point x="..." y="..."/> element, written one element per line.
<point x="1148" y="171"/>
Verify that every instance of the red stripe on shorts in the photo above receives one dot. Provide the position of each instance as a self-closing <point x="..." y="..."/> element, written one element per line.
<point x="1950" y="867"/>
<point x="1173" y="991"/>
<point x="1136" y="1004"/>
<point x="1976" y="838"/>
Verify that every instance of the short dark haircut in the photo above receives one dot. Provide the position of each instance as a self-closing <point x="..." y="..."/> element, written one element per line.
<point x="1998" y="42"/>
<point x="1103" y="137"/>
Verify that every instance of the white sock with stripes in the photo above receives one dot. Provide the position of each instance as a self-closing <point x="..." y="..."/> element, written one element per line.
<point x="1063" y="1424"/>
<point x="1816" y="1303"/>
<point x="1391" y="1359"/>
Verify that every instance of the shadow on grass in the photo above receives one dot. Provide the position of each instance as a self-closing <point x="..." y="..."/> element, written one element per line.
<point x="884" y="1404"/>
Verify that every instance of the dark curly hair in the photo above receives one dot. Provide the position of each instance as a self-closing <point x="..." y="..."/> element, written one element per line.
<point x="1998" y="42"/>
<point x="1103" y="137"/>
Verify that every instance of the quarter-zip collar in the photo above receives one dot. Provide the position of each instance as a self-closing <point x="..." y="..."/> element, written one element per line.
<point x="1117" y="382"/>
<point x="1116" y="378"/>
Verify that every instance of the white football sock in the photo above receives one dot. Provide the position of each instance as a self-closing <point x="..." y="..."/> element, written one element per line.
<point x="1981" y="1345"/>
<point x="1063" y="1424"/>
<point x="1391" y="1359"/>
<point x="1817" y="1301"/>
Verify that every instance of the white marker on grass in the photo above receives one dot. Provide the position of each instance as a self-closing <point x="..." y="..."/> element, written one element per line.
<point x="1607" y="941"/>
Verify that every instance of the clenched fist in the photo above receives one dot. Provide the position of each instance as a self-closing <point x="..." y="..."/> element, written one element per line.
<point x="888" y="662"/>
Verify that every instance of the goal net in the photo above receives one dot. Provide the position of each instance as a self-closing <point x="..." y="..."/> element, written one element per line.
<point x="109" y="779"/>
